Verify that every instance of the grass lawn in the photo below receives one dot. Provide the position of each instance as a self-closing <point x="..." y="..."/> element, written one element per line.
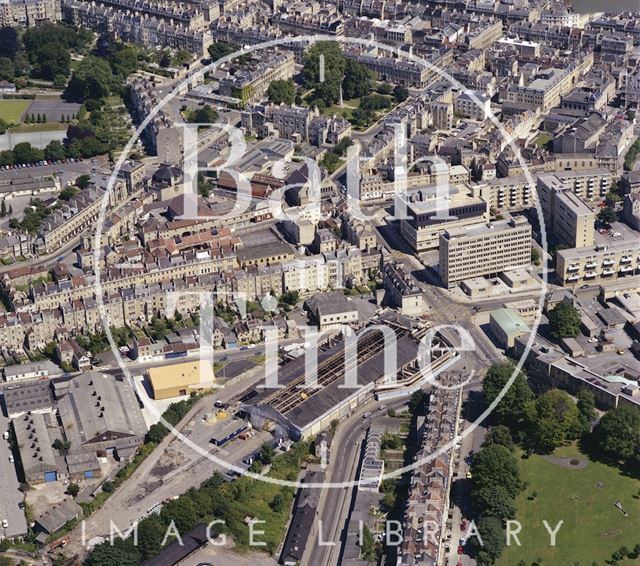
<point x="542" y="140"/>
<point x="43" y="127"/>
<point x="11" y="110"/>
<point x="584" y="498"/>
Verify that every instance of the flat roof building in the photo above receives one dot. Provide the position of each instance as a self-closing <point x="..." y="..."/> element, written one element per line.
<point x="429" y="212"/>
<point x="507" y="325"/>
<point x="569" y="218"/>
<point x="598" y="264"/>
<point x="180" y="379"/>
<point x="487" y="249"/>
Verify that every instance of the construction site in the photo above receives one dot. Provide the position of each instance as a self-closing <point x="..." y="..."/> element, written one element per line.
<point x="383" y="362"/>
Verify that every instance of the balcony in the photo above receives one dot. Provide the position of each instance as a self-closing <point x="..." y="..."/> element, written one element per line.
<point x="626" y="268"/>
<point x="591" y="264"/>
<point x="608" y="271"/>
<point x="573" y="277"/>
<point x="590" y="275"/>
<point x="573" y="267"/>
<point x="625" y="259"/>
<point x="608" y="262"/>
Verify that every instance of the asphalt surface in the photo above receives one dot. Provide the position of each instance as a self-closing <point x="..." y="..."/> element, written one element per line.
<point x="10" y="495"/>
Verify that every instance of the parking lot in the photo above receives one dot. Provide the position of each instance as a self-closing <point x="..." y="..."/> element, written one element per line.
<point x="10" y="497"/>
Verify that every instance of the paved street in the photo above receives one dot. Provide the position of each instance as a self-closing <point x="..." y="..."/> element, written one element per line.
<point x="10" y="496"/>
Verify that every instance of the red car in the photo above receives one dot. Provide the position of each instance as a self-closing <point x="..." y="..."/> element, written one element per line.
<point x="460" y="549"/>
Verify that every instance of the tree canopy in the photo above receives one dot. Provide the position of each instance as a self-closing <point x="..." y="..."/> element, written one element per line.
<point x="551" y="420"/>
<point x="496" y="467"/>
<point x="282" y="92"/>
<point x="564" y="320"/>
<point x="618" y="433"/>
<point x="221" y="49"/>
<point x="510" y="409"/>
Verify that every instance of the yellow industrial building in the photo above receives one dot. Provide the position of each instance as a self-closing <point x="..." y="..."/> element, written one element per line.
<point x="180" y="379"/>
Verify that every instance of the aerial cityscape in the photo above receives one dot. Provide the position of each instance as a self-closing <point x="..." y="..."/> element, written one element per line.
<point x="342" y="283"/>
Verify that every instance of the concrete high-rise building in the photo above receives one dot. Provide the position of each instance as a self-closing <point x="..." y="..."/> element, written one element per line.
<point x="428" y="213"/>
<point x="474" y="251"/>
<point x="566" y="214"/>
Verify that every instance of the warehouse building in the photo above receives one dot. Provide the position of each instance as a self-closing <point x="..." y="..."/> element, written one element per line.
<point x="178" y="380"/>
<point x="28" y="397"/>
<point x="100" y="414"/>
<point x="35" y="433"/>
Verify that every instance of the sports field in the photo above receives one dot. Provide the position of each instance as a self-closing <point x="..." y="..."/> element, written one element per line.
<point x="584" y="499"/>
<point x="11" y="110"/>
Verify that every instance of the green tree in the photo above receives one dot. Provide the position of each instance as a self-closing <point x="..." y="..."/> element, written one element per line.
<point x="182" y="512"/>
<point x="122" y="553"/>
<point x="7" y="69"/>
<point x="419" y="402"/>
<point x="266" y="453"/>
<point x="510" y="408"/>
<point x="203" y="115"/>
<point x="92" y="80"/>
<point x="494" y="501"/>
<point x="73" y="489"/>
<point x="607" y="215"/>
<point x="334" y="69"/>
<point x="3" y="126"/>
<point x="165" y="60"/>
<point x="493" y="539"/>
<point x="357" y="80"/>
<point x="82" y="182"/>
<point x="564" y="320"/>
<point x="385" y="88"/>
<point x="618" y="432"/>
<point x="25" y="153"/>
<point x="400" y="93"/>
<point x="277" y="503"/>
<point x="59" y="444"/>
<point x="151" y="532"/>
<point x="330" y="162"/>
<point x="612" y="199"/>
<point x="10" y="43"/>
<point x="551" y="420"/>
<point x="7" y="157"/>
<point x="367" y="545"/>
<point x="221" y="49"/>
<point x="156" y="433"/>
<point x="50" y="60"/>
<point x="282" y="92"/>
<point x="496" y="466"/>
<point x="535" y="256"/>
<point x="586" y="407"/>
<point x="499" y="434"/>
<point x="54" y="150"/>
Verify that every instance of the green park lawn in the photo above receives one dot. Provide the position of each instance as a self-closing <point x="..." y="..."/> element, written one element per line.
<point x="11" y="110"/>
<point x="584" y="498"/>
